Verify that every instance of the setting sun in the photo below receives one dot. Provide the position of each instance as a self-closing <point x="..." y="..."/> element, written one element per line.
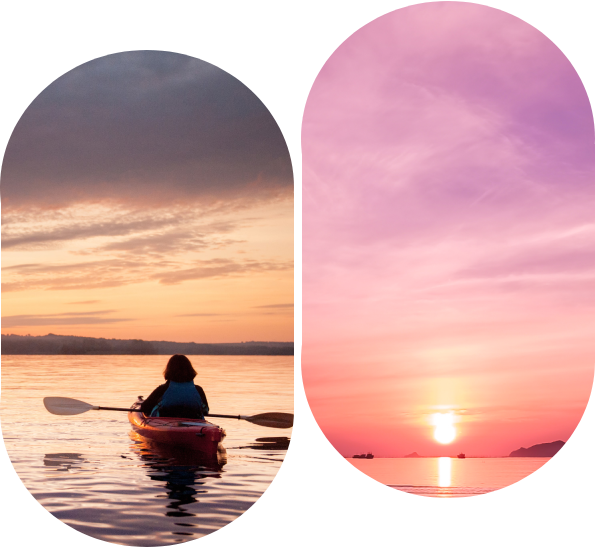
<point x="445" y="431"/>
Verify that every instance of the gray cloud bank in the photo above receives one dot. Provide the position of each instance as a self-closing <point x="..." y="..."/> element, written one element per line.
<point x="145" y="127"/>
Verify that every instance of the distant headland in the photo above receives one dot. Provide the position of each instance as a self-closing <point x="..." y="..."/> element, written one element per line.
<point x="539" y="450"/>
<point x="71" y="345"/>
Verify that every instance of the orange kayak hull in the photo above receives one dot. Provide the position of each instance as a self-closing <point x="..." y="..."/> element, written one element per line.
<point x="190" y="434"/>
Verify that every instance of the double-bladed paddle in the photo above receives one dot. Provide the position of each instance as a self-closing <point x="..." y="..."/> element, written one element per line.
<point x="69" y="406"/>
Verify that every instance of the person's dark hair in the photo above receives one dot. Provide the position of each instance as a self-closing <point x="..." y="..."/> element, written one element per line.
<point x="179" y="369"/>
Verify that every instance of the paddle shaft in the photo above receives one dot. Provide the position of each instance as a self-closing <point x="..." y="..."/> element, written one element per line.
<point x="207" y="415"/>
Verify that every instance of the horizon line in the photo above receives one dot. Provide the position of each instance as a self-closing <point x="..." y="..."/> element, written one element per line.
<point x="144" y="340"/>
<point x="454" y="457"/>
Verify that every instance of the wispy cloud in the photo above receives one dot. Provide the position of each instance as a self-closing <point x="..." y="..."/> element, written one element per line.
<point x="268" y="306"/>
<point x="218" y="268"/>
<point x="162" y="244"/>
<point x="84" y="275"/>
<point x="132" y="231"/>
<point x="118" y="272"/>
<point x="65" y="318"/>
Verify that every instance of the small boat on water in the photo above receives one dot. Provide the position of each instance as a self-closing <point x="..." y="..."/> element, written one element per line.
<point x="364" y="456"/>
<point x="461" y="455"/>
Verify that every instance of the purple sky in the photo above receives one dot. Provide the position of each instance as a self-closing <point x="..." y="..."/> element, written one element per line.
<point x="448" y="246"/>
<point x="147" y="127"/>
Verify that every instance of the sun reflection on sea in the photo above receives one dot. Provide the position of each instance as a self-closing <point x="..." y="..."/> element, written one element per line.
<point x="444" y="472"/>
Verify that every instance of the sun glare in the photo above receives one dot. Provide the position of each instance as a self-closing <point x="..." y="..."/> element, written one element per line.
<point x="445" y="431"/>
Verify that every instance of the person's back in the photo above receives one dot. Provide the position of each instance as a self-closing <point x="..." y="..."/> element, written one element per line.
<point x="179" y="396"/>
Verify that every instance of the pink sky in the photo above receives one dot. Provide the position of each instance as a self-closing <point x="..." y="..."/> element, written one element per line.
<point x="448" y="245"/>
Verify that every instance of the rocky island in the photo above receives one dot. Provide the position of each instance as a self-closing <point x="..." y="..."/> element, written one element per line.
<point x="539" y="450"/>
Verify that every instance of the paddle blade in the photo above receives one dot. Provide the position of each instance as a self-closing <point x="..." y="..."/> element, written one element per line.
<point x="274" y="420"/>
<point x="65" y="406"/>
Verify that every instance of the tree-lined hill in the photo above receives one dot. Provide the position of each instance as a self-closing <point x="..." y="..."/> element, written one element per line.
<point x="58" y="344"/>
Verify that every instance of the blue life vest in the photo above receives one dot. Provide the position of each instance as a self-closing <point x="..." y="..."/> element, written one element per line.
<point x="183" y="396"/>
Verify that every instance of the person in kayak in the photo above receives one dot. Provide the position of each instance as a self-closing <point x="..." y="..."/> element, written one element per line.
<point x="179" y="396"/>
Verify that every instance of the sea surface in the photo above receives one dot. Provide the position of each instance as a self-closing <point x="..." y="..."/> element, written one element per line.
<point x="96" y="475"/>
<point x="449" y="477"/>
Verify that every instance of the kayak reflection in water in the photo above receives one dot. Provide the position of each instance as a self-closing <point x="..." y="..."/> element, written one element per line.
<point x="179" y="396"/>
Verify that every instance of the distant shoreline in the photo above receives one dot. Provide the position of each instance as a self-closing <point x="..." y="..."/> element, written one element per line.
<point x="455" y="457"/>
<point x="68" y="345"/>
<point x="545" y="450"/>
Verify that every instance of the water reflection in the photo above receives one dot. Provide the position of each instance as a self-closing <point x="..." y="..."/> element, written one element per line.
<point x="64" y="461"/>
<point x="444" y="472"/>
<point x="183" y="473"/>
<point x="269" y="443"/>
<point x="155" y="453"/>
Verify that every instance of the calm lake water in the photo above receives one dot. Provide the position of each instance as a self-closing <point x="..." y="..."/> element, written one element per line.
<point x="93" y="473"/>
<point x="447" y="477"/>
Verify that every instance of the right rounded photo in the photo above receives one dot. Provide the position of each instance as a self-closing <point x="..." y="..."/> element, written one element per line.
<point x="448" y="249"/>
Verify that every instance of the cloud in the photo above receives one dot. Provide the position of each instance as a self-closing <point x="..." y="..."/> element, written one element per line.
<point x="542" y="261"/>
<point x="219" y="268"/>
<point x="124" y="246"/>
<point x="119" y="272"/>
<point x="275" y="307"/>
<point x="289" y="305"/>
<point x="83" y="275"/>
<point x="66" y="318"/>
<point x="36" y="238"/>
<point x="148" y="128"/>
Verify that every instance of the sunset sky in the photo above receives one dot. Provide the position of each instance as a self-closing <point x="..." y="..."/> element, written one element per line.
<point x="148" y="195"/>
<point x="448" y="245"/>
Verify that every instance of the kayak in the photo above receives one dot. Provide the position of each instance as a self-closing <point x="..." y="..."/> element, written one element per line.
<point x="190" y="434"/>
